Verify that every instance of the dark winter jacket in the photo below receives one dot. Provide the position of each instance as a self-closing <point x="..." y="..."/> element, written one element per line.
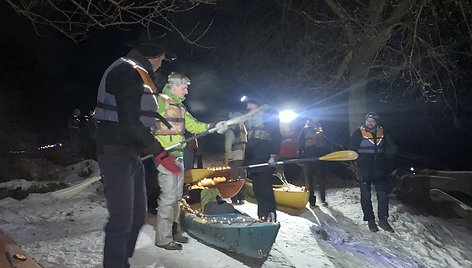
<point x="312" y="144"/>
<point x="259" y="150"/>
<point x="371" y="165"/>
<point x="129" y="133"/>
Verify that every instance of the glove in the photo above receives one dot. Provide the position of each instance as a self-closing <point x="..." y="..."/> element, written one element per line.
<point x="272" y="160"/>
<point x="221" y="127"/>
<point x="167" y="161"/>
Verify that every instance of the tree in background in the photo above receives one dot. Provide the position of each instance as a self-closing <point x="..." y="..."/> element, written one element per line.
<point x="392" y="50"/>
<point x="76" y="18"/>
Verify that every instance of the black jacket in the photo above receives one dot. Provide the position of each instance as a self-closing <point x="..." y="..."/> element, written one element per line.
<point x="258" y="150"/>
<point x="125" y="83"/>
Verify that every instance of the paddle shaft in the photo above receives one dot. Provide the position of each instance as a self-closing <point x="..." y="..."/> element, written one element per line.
<point x="345" y="155"/>
<point x="232" y="121"/>
<point x="301" y="160"/>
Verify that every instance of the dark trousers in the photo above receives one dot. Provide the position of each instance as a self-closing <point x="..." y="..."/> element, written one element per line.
<point x="75" y="141"/>
<point x="315" y="172"/>
<point x="189" y="157"/>
<point x="152" y="185"/>
<point x="382" y="187"/>
<point x="262" y="186"/>
<point x="125" y="192"/>
<point x="238" y="173"/>
<point x="89" y="148"/>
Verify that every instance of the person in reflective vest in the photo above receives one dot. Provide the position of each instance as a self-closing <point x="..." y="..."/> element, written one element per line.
<point x="370" y="143"/>
<point x="126" y="111"/>
<point x="73" y="125"/>
<point x="263" y="145"/>
<point x="313" y="143"/>
<point x="235" y="148"/>
<point x="169" y="234"/>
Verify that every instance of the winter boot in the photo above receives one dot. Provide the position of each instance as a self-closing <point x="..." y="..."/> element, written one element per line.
<point x="171" y="246"/>
<point x="383" y="223"/>
<point x="271" y="217"/>
<point x="313" y="201"/>
<point x="372" y="226"/>
<point x="177" y="234"/>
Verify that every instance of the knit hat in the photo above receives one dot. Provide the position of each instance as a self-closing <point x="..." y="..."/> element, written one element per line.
<point x="152" y="48"/>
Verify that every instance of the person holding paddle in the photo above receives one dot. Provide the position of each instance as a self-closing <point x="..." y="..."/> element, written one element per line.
<point x="126" y="111"/>
<point x="263" y="145"/>
<point x="312" y="143"/>
<point x="169" y="233"/>
<point x="235" y="147"/>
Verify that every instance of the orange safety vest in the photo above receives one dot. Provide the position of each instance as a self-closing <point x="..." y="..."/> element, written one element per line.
<point x="174" y="114"/>
<point x="369" y="144"/>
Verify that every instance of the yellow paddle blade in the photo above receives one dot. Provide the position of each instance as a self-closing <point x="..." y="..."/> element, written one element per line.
<point x="195" y="175"/>
<point x="345" y="155"/>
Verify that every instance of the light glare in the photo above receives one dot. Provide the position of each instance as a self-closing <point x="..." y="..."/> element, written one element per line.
<point x="287" y="116"/>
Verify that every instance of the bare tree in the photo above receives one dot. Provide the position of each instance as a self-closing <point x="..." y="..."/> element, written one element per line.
<point x="75" y="18"/>
<point x="399" y="46"/>
<point x="388" y="49"/>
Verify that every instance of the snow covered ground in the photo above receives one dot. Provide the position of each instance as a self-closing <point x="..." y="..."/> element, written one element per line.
<point x="69" y="233"/>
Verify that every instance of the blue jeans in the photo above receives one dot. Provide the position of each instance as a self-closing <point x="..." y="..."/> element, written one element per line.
<point x="125" y="192"/>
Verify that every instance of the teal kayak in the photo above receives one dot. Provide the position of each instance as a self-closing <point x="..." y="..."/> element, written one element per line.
<point x="235" y="232"/>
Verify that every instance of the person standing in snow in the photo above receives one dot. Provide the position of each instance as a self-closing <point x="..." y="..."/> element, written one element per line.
<point x="313" y="143"/>
<point x="169" y="233"/>
<point x="126" y="111"/>
<point x="370" y="143"/>
<point x="235" y="148"/>
<point x="89" y="135"/>
<point x="263" y="145"/>
<point x="73" y="126"/>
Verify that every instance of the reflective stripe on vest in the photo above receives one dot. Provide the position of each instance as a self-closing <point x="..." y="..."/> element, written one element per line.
<point x="368" y="145"/>
<point x="174" y="114"/>
<point x="106" y="103"/>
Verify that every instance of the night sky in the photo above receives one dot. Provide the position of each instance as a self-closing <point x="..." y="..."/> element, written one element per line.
<point x="43" y="78"/>
<point x="50" y="75"/>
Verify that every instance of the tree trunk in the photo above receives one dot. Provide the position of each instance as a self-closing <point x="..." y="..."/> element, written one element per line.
<point x="364" y="55"/>
<point x="357" y="104"/>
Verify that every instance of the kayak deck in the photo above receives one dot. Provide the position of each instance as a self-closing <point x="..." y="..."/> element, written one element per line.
<point x="235" y="232"/>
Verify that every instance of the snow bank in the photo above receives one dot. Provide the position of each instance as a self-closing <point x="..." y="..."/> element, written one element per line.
<point x="69" y="233"/>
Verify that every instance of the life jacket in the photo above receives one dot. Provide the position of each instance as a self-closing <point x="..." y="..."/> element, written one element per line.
<point x="371" y="144"/>
<point x="174" y="114"/>
<point x="240" y="140"/>
<point x="256" y="129"/>
<point x="106" y="104"/>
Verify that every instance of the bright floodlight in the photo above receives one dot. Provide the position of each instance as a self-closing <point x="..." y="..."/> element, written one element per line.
<point x="243" y="98"/>
<point x="287" y="116"/>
